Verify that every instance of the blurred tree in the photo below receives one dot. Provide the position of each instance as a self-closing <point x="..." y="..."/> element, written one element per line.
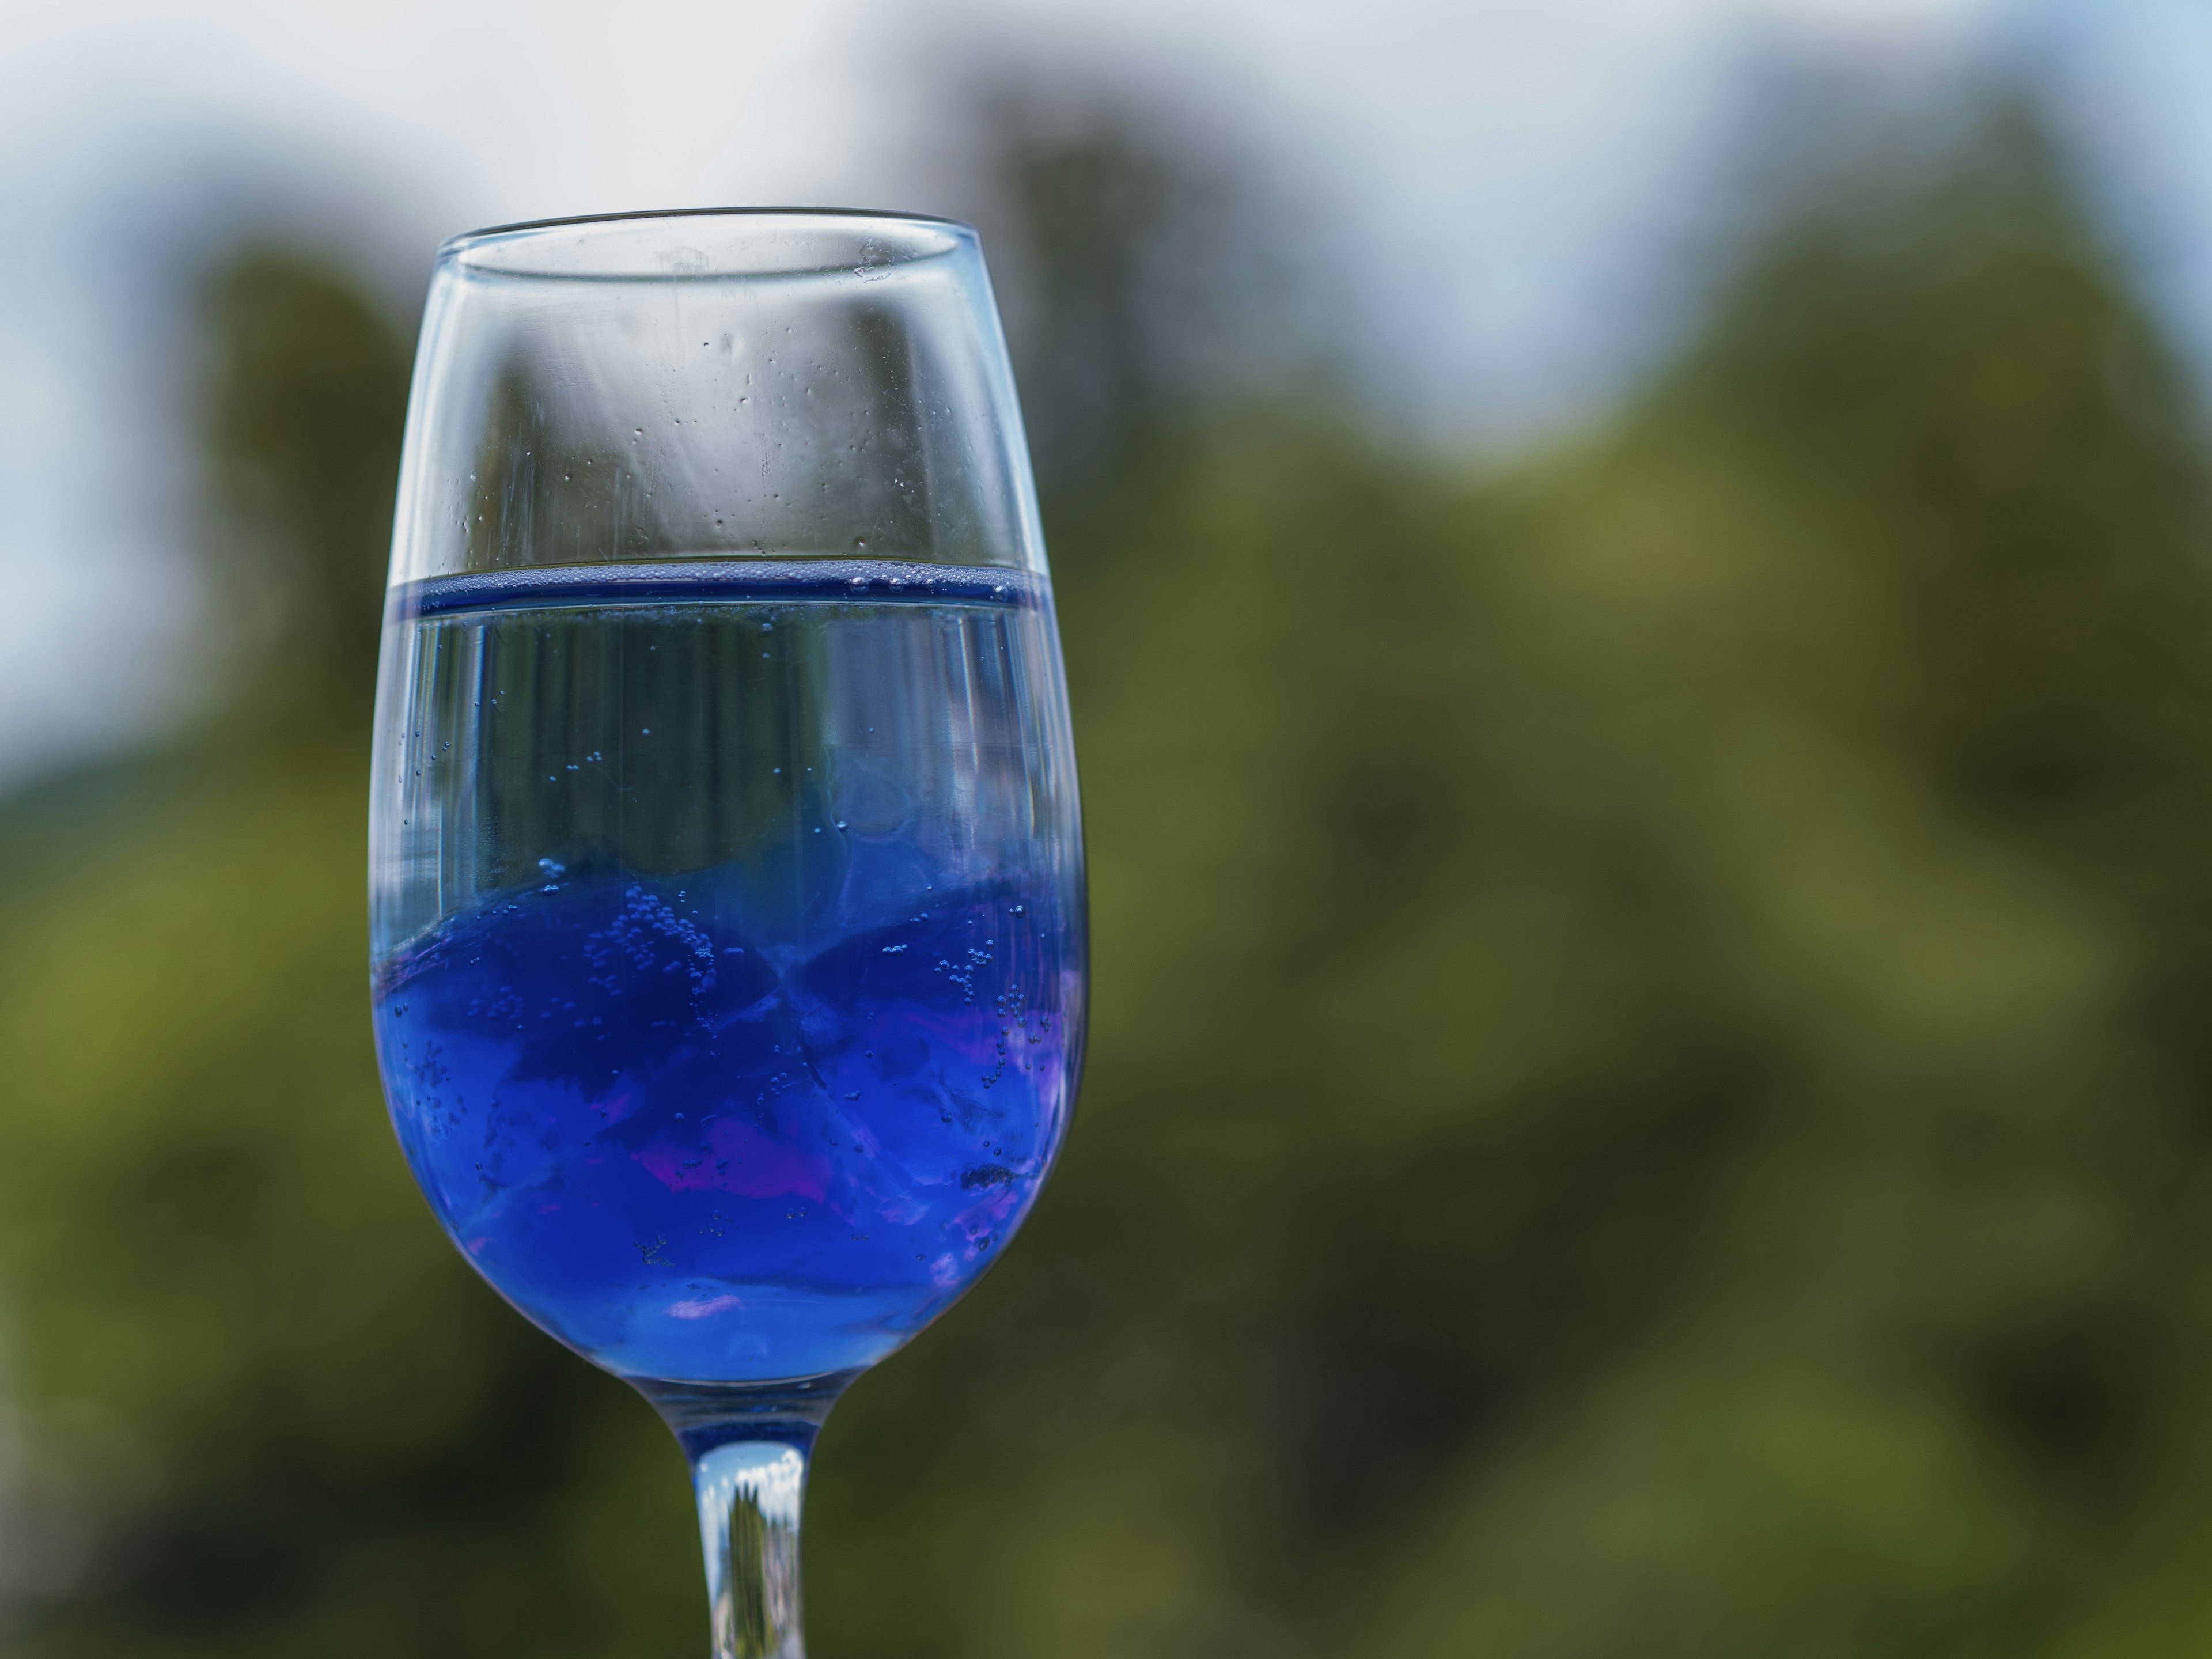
<point x="1147" y="276"/>
<point x="303" y="408"/>
<point x="1647" y="1092"/>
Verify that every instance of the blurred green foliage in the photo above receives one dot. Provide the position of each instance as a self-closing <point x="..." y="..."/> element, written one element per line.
<point x="301" y="413"/>
<point x="1650" y="1091"/>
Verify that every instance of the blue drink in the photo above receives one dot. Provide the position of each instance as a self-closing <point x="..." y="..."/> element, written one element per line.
<point x="728" y="960"/>
<point x="726" y="927"/>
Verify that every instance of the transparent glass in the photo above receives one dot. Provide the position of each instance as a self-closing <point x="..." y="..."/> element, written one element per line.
<point x="725" y="880"/>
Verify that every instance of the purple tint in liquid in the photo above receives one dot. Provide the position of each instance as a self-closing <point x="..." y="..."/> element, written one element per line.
<point x="692" y="1155"/>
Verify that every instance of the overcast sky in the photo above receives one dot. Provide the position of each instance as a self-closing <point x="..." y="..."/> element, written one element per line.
<point x="1512" y="186"/>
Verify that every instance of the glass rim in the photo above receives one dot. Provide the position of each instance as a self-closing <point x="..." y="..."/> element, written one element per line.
<point x="456" y="248"/>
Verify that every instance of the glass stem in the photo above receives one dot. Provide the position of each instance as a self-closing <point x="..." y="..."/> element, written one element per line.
<point x="749" y="1447"/>
<point x="749" y="1493"/>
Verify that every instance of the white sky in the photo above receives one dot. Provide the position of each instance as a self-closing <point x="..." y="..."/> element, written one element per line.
<point x="1509" y="180"/>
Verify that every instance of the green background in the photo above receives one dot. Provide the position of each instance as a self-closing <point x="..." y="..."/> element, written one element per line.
<point x="1650" y="1090"/>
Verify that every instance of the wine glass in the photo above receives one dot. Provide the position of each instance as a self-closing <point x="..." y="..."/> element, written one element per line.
<point x="725" y="874"/>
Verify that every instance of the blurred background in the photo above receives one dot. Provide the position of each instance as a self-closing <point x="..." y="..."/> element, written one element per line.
<point x="1637" y="582"/>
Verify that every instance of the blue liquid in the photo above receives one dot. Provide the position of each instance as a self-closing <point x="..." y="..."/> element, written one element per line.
<point x="728" y="982"/>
